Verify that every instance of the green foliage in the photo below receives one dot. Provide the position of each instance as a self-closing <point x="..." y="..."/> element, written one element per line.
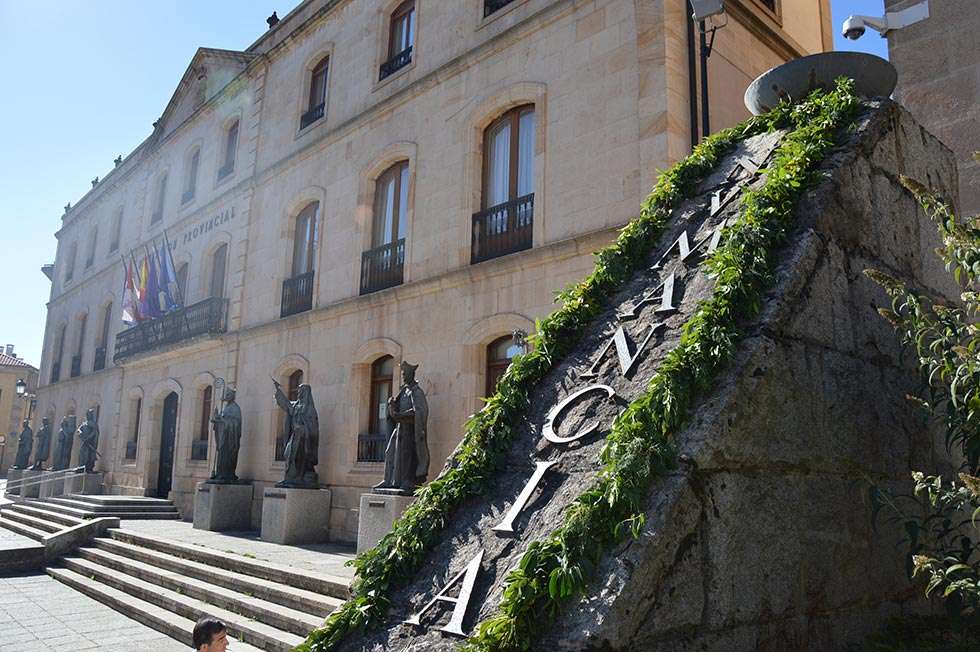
<point x="940" y="518"/>
<point x="554" y="570"/>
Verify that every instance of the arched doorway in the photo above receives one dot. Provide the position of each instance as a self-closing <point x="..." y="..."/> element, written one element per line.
<point x="168" y="436"/>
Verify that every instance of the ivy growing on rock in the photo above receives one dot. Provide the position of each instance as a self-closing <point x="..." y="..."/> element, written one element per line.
<point x="639" y="448"/>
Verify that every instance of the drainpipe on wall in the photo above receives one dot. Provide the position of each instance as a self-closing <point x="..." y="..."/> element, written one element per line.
<point x="705" y="53"/>
<point x="692" y="79"/>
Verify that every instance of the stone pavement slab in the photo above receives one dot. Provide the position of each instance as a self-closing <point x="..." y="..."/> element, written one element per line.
<point x="327" y="558"/>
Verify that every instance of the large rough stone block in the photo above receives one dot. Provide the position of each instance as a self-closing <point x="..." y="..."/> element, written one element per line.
<point x="54" y="486"/>
<point x="295" y="516"/>
<point x="378" y="513"/>
<point x="223" y="507"/>
<point x="83" y="483"/>
<point x="31" y="486"/>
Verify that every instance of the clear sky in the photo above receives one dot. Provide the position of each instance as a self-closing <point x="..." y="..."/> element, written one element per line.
<point x="83" y="81"/>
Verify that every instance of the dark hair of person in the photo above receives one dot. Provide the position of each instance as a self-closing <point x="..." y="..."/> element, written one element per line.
<point x="205" y="631"/>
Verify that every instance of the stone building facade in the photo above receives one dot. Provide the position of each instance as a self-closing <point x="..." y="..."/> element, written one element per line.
<point x="938" y="62"/>
<point x="13" y="408"/>
<point x="337" y="202"/>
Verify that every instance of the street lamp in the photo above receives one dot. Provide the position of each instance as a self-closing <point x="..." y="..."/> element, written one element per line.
<point x="21" y="388"/>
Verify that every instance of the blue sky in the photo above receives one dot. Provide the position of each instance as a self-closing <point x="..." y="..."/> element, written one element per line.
<point x="84" y="80"/>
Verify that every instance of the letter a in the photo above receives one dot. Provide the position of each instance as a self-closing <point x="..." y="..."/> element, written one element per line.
<point x="455" y="624"/>
<point x="549" y="425"/>
<point x="507" y="525"/>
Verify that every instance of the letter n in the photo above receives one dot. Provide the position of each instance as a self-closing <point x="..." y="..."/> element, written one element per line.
<point x="468" y="575"/>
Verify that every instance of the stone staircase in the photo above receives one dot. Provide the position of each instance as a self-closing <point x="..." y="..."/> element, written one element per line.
<point x="122" y="507"/>
<point x="168" y="585"/>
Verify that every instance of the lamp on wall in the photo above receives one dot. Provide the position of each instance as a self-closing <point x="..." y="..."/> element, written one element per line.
<point x="21" y="387"/>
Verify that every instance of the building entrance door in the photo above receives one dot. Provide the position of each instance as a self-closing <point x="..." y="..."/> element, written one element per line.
<point x="168" y="434"/>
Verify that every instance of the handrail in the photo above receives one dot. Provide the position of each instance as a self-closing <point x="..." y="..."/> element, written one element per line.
<point x="49" y="476"/>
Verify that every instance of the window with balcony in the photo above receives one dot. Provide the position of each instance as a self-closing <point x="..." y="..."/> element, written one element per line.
<point x="317" y="101"/>
<point x="199" y="447"/>
<point x="103" y="344"/>
<point x="70" y="262"/>
<point x="297" y="290"/>
<point x="132" y="444"/>
<point x="160" y="202"/>
<point x="499" y="354"/>
<point x="371" y="446"/>
<point x="182" y="283"/>
<point x="59" y="352"/>
<point x="382" y="266"/>
<point x="292" y="393"/>
<point x="116" y="231"/>
<point x="231" y="149"/>
<point x="218" y="262"/>
<point x="190" y="182"/>
<point x="76" y="360"/>
<point x="93" y="240"/>
<point x="505" y="224"/>
<point x="401" y="39"/>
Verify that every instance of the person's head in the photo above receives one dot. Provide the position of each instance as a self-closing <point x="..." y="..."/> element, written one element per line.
<point x="210" y="635"/>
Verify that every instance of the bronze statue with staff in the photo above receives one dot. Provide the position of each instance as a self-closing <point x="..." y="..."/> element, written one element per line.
<point x="302" y="438"/>
<point x="227" y="424"/>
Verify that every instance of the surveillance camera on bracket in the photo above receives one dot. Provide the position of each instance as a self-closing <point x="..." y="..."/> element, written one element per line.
<point x="705" y="9"/>
<point x="855" y="26"/>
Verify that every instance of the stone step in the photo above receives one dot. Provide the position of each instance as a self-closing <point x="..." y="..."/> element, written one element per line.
<point x="32" y="521"/>
<point x="169" y="623"/>
<point x="244" y="603"/>
<point x="121" y="500"/>
<point x="311" y="581"/>
<point x="87" y="513"/>
<point x="20" y="528"/>
<point x="37" y="509"/>
<point x="249" y="631"/>
<point x="114" y="507"/>
<point x="283" y="594"/>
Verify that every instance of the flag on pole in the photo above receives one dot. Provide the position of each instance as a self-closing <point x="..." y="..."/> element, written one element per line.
<point x="141" y="298"/>
<point x="168" y="277"/>
<point x="152" y="285"/>
<point x="130" y="313"/>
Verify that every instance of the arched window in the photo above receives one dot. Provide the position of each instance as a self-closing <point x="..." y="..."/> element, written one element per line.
<point x="390" y="205"/>
<point x="371" y="446"/>
<point x="59" y="353"/>
<point x="401" y="38"/>
<point x="231" y="148"/>
<point x="182" y="283"/>
<point x="317" y="101"/>
<point x="190" y="183"/>
<point x="199" y="447"/>
<point x="218" y="261"/>
<point x="292" y="393"/>
<point x="499" y="354"/>
<point x="505" y="225"/>
<point x="304" y="238"/>
<point x="103" y="344"/>
<point x="160" y="200"/>
<point x="70" y="262"/>
<point x="76" y="360"/>
<point x="93" y="240"/>
<point x="133" y="442"/>
<point x="116" y="230"/>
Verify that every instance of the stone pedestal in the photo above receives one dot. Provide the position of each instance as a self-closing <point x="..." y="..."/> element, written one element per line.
<point x="295" y="516"/>
<point x="377" y="514"/>
<point x="52" y="487"/>
<point x="30" y="489"/>
<point x="83" y="483"/>
<point x="222" y="507"/>
<point x="14" y="476"/>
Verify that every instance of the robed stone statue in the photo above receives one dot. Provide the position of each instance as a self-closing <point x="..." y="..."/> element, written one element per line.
<point x="302" y="438"/>
<point x="62" y="452"/>
<point x="407" y="453"/>
<point x="227" y="440"/>
<point x="43" y="449"/>
<point x="88" y="435"/>
<point x="24" y="445"/>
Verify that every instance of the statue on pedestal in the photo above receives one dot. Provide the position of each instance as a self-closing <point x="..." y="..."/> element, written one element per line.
<point x="43" y="449"/>
<point x="24" y="445"/>
<point x="303" y="438"/>
<point x="62" y="452"/>
<point x="227" y="440"/>
<point x="407" y="453"/>
<point x="88" y="434"/>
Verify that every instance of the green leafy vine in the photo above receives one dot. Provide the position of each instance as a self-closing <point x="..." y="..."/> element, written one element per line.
<point x="554" y="570"/>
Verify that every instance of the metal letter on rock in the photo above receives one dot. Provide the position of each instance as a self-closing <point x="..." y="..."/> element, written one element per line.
<point x="507" y="525"/>
<point x="455" y="624"/>
<point x="626" y="360"/>
<point x="549" y="425"/>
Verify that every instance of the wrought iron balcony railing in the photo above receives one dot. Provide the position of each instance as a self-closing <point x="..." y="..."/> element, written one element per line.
<point x="490" y="6"/>
<point x="297" y="294"/>
<point x="99" y="364"/>
<point x="371" y="448"/>
<point x="503" y="229"/>
<point x="208" y="317"/>
<point x="131" y="450"/>
<point x="396" y="63"/>
<point x="383" y="267"/>
<point x="312" y="115"/>
<point x="76" y="365"/>
<point x="56" y="371"/>
<point x="199" y="449"/>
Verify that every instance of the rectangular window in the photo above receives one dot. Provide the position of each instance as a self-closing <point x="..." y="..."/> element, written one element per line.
<point x="218" y="271"/>
<point x="93" y="240"/>
<point x="191" y="188"/>
<point x="160" y="199"/>
<point x="70" y="262"/>
<point x="116" y="229"/>
<point x="231" y="147"/>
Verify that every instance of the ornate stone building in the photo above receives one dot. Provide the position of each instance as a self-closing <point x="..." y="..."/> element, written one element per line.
<point x="371" y="182"/>
<point x="13" y="408"/>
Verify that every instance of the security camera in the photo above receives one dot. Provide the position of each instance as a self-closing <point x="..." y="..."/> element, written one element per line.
<point x="855" y="26"/>
<point x="704" y="9"/>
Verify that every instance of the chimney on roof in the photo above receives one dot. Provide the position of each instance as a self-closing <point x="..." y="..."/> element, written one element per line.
<point x="273" y="20"/>
<point x="10" y="350"/>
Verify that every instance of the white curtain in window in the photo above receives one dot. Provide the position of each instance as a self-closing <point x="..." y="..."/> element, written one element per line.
<point x="387" y="211"/>
<point x="525" y="147"/>
<point x="402" y="201"/>
<point x="499" y="172"/>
